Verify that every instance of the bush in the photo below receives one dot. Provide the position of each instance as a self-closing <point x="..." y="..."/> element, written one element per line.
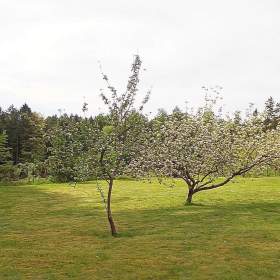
<point x="9" y="172"/>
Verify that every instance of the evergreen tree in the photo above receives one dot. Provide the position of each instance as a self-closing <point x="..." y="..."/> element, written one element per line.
<point x="25" y="130"/>
<point x="31" y="136"/>
<point x="272" y="114"/>
<point x="4" y="150"/>
<point x="11" y="123"/>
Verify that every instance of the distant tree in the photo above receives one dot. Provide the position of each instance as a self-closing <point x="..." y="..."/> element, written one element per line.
<point x="10" y="122"/>
<point x="4" y="150"/>
<point x="85" y="108"/>
<point x="237" y="117"/>
<point x="8" y="172"/>
<point x="176" y="110"/>
<point x="69" y="145"/>
<point x="50" y="122"/>
<point x="25" y="109"/>
<point x="256" y="112"/>
<point x="162" y="114"/>
<point x="31" y="137"/>
<point x="101" y="120"/>
<point x="25" y="131"/>
<point x="272" y="114"/>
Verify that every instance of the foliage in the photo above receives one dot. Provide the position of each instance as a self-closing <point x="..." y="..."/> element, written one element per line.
<point x="9" y="172"/>
<point x="4" y="150"/>
<point x="272" y="114"/>
<point x="25" y="130"/>
<point x="118" y="142"/>
<point x="201" y="147"/>
<point x="32" y="140"/>
<point x="70" y="155"/>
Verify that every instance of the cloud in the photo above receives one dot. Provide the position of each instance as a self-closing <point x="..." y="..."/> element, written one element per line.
<point x="49" y="50"/>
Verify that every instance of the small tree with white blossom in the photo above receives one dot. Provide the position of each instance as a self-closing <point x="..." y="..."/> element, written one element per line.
<point x="119" y="142"/>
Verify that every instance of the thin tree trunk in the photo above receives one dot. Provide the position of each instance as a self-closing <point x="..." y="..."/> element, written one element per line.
<point x="190" y="195"/>
<point x="17" y="151"/>
<point x="109" y="212"/>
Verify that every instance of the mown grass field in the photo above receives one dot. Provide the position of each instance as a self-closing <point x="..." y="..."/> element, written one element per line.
<point x="54" y="231"/>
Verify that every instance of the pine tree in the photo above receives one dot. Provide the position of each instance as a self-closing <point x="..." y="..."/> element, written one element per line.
<point x="272" y="114"/>
<point x="4" y="150"/>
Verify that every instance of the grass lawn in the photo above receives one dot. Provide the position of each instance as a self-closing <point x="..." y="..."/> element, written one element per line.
<point x="54" y="231"/>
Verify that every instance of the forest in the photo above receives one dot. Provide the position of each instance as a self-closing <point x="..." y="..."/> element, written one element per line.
<point x="33" y="147"/>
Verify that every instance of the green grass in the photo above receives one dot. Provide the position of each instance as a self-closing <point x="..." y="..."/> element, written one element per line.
<point x="53" y="231"/>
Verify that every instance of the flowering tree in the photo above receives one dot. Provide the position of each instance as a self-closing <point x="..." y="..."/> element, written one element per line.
<point x="118" y="143"/>
<point x="207" y="151"/>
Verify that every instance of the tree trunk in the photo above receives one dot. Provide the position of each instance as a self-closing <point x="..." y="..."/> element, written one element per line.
<point x="109" y="213"/>
<point x="190" y="195"/>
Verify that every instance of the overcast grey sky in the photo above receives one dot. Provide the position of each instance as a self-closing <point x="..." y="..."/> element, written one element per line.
<point x="49" y="51"/>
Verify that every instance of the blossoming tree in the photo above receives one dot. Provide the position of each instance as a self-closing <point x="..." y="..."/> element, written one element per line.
<point x="206" y="150"/>
<point x="118" y="142"/>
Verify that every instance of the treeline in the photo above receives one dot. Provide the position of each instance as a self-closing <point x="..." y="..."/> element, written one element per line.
<point x="54" y="147"/>
<point x="25" y="146"/>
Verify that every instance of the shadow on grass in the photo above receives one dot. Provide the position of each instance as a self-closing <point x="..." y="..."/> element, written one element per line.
<point x="29" y="207"/>
<point x="194" y="204"/>
<point x="199" y="218"/>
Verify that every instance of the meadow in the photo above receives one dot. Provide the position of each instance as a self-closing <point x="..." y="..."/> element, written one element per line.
<point x="56" y="231"/>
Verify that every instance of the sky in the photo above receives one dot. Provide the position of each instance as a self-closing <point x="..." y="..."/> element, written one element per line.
<point x="49" y="51"/>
